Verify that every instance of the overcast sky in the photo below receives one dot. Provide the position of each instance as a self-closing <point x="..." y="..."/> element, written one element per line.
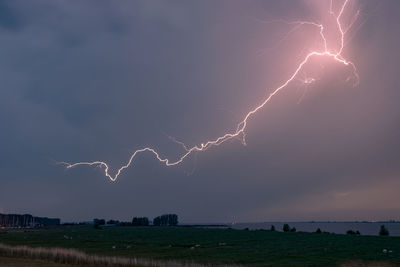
<point x="96" y="80"/>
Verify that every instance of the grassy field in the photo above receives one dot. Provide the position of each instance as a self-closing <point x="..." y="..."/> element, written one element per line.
<point x="12" y="262"/>
<point x="216" y="246"/>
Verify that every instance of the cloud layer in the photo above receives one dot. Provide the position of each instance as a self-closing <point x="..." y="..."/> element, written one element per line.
<point x="96" y="80"/>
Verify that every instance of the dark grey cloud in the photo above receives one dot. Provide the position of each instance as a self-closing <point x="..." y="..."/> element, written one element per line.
<point x="95" y="80"/>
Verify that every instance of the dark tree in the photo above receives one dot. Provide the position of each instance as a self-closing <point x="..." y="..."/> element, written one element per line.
<point x="172" y="219"/>
<point x="272" y="228"/>
<point x="157" y="221"/>
<point x="293" y="229"/>
<point x="99" y="221"/>
<point x="351" y="232"/>
<point x="140" y="221"/>
<point x="383" y="231"/>
<point x="318" y="231"/>
<point x="166" y="220"/>
<point x="112" y="222"/>
<point x="286" y="227"/>
<point x="124" y="224"/>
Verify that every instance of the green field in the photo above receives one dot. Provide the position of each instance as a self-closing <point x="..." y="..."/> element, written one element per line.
<point x="216" y="246"/>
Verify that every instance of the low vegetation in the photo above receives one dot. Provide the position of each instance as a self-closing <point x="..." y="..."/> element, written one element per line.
<point x="78" y="258"/>
<point x="210" y="246"/>
<point x="383" y="231"/>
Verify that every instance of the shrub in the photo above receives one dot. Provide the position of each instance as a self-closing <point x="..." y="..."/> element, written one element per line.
<point x="124" y="224"/>
<point x="272" y="228"/>
<point x="318" y="231"/>
<point x="293" y="229"/>
<point x="350" y="232"/>
<point x="286" y="227"/>
<point x="99" y="221"/>
<point x="112" y="222"/>
<point x="383" y="231"/>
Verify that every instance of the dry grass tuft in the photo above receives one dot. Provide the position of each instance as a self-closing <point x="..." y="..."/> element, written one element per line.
<point x="79" y="258"/>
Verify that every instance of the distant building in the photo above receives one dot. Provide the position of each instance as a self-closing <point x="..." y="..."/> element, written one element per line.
<point x="26" y="220"/>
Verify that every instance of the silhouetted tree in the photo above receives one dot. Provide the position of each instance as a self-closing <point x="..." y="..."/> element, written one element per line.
<point x="351" y="232"/>
<point x="157" y="221"/>
<point x="272" y="228"/>
<point x="318" y="231"/>
<point x="166" y="220"/>
<point x="124" y="224"/>
<point x="172" y="219"/>
<point x="286" y="227"/>
<point x="99" y="221"/>
<point x="145" y="221"/>
<point x="112" y="222"/>
<point x="383" y="231"/>
<point x="140" y="221"/>
<point x="293" y="229"/>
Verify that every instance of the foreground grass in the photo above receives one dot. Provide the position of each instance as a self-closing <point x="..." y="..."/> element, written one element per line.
<point x="216" y="246"/>
<point x="75" y="257"/>
<point x="13" y="262"/>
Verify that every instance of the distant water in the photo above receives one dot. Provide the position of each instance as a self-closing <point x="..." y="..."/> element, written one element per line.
<point x="365" y="228"/>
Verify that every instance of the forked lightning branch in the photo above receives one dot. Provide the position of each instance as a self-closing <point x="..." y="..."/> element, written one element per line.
<point x="336" y="10"/>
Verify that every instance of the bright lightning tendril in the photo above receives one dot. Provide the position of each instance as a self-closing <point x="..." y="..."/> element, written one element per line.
<point x="241" y="127"/>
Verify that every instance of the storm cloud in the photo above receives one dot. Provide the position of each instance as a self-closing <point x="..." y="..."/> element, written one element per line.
<point x="96" y="80"/>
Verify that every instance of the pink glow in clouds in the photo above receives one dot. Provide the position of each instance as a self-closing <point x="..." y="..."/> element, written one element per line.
<point x="337" y="17"/>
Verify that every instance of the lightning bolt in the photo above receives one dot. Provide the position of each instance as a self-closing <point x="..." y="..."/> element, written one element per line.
<point x="335" y="55"/>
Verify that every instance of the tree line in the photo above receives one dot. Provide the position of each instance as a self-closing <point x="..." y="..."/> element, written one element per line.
<point x="166" y="220"/>
<point x="286" y="228"/>
<point x="162" y="220"/>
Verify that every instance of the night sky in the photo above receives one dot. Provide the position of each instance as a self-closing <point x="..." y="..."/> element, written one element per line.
<point x="96" y="80"/>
